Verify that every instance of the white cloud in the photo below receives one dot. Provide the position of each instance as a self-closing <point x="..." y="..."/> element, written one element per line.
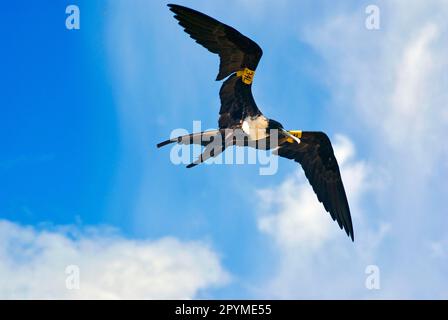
<point x="33" y="265"/>
<point x="297" y="217"/>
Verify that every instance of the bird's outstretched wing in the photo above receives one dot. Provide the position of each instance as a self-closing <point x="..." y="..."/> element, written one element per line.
<point x="239" y="57"/>
<point x="235" y="50"/>
<point x="315" y="154"/>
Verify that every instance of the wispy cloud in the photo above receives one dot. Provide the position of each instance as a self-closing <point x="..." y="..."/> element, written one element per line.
<point x="389" y="88"/>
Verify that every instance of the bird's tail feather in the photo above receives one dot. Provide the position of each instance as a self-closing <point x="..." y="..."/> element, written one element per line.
<point x="202" y="138"/>
<point x="210" y="151"/>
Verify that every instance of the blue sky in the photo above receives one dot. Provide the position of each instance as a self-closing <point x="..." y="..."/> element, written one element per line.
<point x="82" y="111"/>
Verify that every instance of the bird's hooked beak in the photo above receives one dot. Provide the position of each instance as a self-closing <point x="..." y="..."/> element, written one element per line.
<point x="293" y="135"/>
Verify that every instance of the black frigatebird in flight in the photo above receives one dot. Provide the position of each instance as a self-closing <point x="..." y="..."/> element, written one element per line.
<point x="239" y="57"/>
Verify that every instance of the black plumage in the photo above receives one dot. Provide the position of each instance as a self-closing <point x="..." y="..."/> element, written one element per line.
<point x="236" y="52"/>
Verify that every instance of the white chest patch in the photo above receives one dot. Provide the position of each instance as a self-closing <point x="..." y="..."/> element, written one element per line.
<point x="246" y="127"/>
<point x="255" y="128"/>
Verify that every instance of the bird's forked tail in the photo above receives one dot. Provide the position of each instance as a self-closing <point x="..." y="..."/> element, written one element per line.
<point x="205" y="138"/>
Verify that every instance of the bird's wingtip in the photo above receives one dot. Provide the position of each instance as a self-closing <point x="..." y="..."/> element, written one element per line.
<point x="351" y="235"/>
<point x="164" y="143"/>
<point x="349" y="231"/>
<point x="173" y="6"/>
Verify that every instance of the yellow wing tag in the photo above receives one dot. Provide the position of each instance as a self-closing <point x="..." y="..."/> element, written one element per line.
<point x="247" y="75"/>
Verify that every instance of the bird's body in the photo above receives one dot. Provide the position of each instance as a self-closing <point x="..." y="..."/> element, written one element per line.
<point x="241" y="123"/>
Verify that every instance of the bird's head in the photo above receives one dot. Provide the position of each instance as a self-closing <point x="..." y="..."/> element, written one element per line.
<point x="290" y="135"/>
<point x="272" y="124"/>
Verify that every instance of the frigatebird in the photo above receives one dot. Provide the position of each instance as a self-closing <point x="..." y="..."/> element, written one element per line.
<point x="239" y="57"/>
